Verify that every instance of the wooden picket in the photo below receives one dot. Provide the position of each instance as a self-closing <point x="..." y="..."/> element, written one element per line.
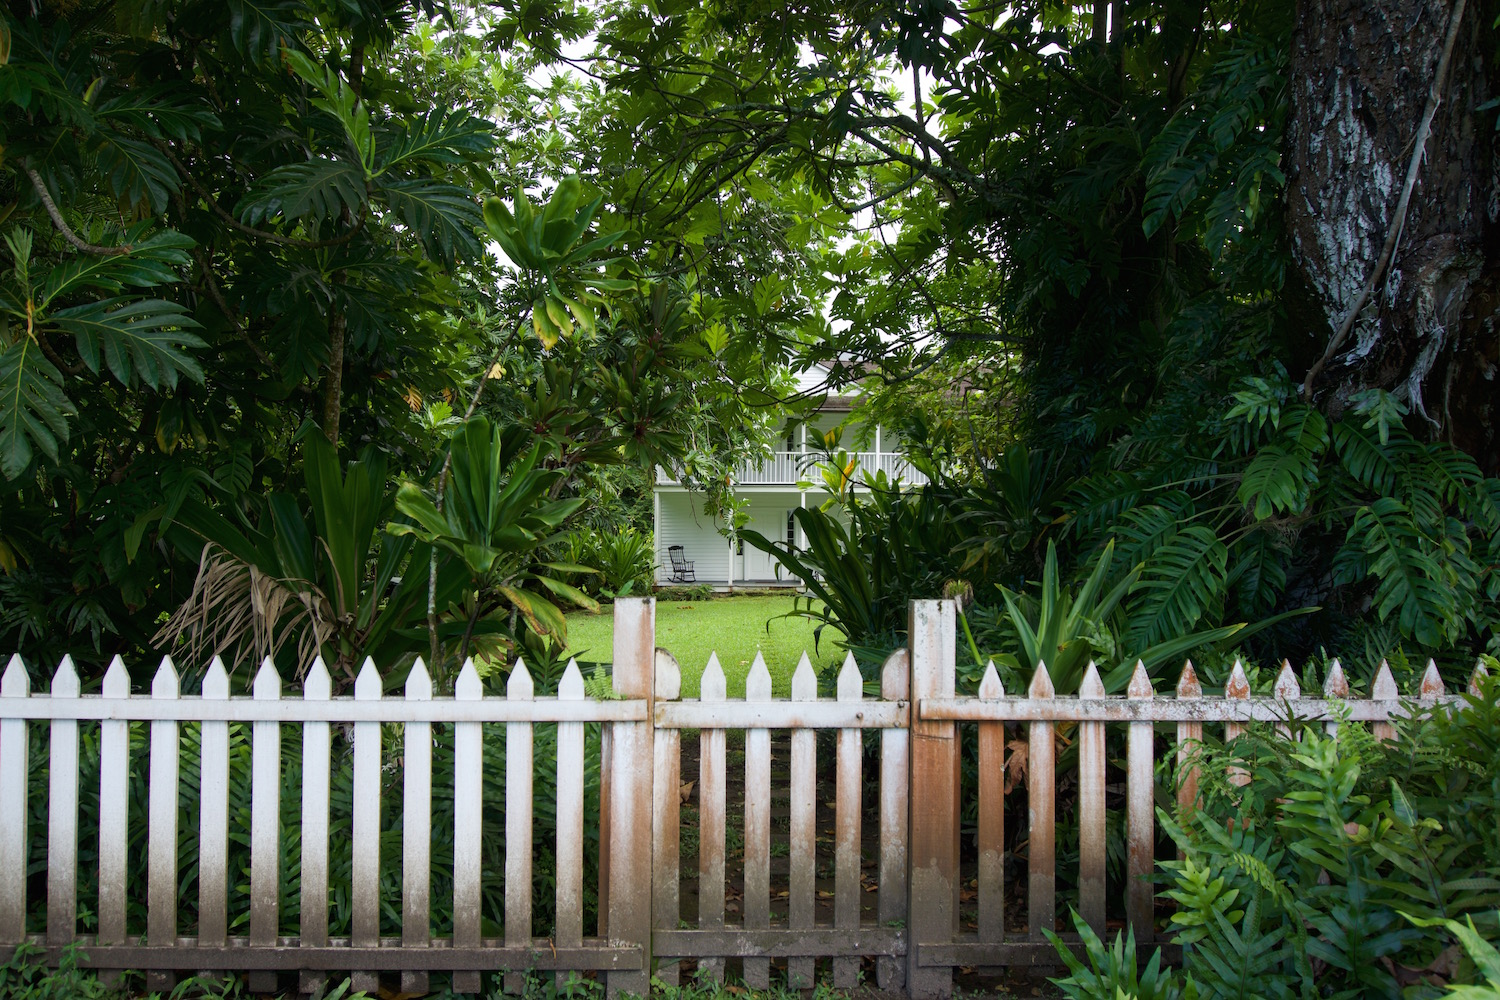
<point x="915" y="935"/>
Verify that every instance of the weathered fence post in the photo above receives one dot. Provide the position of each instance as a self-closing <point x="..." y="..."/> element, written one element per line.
<point x="847" y="809"/>
<point x="1140" y="828"/>
<point x="1041" y="814"/>
<point x="1189" y="736"/>
<point x="416" y="830"/>
<point x="317" y="750"/>
<point x="13" y="774"/>
<point x="933" y="882"/>
<point x="364" y="931"/>
<point x="265" y="825"/>
<point x="630" y="800"/>
<point x="895" y="802"/>
<point x="519" y="764"/>
<point x="468" y="827"/>
<point x="1091" y="847"/>
<point x="712" y="817"/>
<point x="666" y="907"/>
<point x="568" y="923"/>
<point x="114" y="802"/>
<point x="991" y="833"/>
<point x="213" y="818"/>
<point x="62" y="815"/>
<point x="802" y="860"/>
<point x="161" y="830"/>
<point x="757" y="885"/>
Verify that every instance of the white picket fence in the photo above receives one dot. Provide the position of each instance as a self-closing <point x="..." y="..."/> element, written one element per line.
<point x="913" y="937"/>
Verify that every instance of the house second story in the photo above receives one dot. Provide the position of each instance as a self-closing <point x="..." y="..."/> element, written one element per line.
<point x="799" y="458"/>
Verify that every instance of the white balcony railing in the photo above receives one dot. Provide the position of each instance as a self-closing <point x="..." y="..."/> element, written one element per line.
<point x="787" y="468"/>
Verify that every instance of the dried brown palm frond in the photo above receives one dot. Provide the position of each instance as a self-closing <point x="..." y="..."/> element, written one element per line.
<point x="238" y="612"/>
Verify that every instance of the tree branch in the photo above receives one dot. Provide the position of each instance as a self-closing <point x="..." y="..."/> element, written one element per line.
<point x="62" y="225"/>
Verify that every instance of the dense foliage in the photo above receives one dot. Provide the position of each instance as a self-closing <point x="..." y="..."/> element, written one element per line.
<point x="1344" y="866"/>
<point x="233" y="229"/>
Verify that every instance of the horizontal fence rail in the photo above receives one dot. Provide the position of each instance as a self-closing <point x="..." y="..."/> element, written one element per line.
<point x="799" y="886"/>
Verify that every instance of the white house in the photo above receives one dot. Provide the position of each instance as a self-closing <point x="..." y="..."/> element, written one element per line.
<point x="774" y="490"/>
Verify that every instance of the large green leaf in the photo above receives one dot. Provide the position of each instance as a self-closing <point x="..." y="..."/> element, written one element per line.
<point x="137" y="172"/>
<point x="1385" y="543"/>
<point x="318" y="189"/>
<point x="141" y="339"/>
<point x="443" y="216"/>
<point x="348" y="510"/>
<point x="262" y="28"/>
<point x="444" y="136"/>
<point x="1178" y="585"/>
<point x="149" y="262"/>
<point x="33" y="409"/>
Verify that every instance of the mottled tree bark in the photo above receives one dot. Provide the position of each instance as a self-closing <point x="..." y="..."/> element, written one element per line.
<point x="1362" y="71"/>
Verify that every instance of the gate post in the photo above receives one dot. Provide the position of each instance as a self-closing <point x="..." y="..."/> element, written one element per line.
<point x="630" y="797"/>
<point x="933" y="884"/>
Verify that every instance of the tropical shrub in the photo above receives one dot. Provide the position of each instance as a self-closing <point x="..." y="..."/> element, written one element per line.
<point x="865" y="558"/>
<point x="1111" y="973"/>
<point x="1335" y="869"/>
<point x="620" y="563"/>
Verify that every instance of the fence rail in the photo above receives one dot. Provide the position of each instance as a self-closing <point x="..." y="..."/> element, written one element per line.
<point x="909" y="788"/>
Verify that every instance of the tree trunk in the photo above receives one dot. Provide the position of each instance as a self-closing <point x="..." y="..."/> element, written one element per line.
<point x="333" y="378"/>
<point x="1362" y="77"/>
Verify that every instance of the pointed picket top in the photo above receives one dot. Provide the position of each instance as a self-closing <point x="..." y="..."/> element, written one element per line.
<point x="267" y="685"/>
<point x="1384" y="688"/>
<point x="758" y="681"/>
<point x="712" y="686"/>
<point x="851" y="686"/>
<point x="1477" y="678"/>
<point x="367" y="685"/>
<point x="318" y="684"/>
<point x="571" y="685"/>
<point x="65" y="681"/>
<point x="116" y="680"/>
<point x="1188" y="685"/>
<point x="419" y="682"/>
<point x="469" y="687"/>
<point x="804" y="681"/>
<point x="1238" y="685"/>
<point x="668" y="682"/>
<point x="520" y="686"/>
<point x="1041" y="683"/>
<point x="1092" y="686"/>
<point x="164" y="684"/>
<point x="216" y="680"/>
<point x="1336" y="684"/>
<point x="17" y="682"/>
<point x="1287" y="687"/>
<point x="990" y="687"/>
<point x="1140" y="683"/>
<point x="1432" y="682"/>
<point x="895" y="675"/>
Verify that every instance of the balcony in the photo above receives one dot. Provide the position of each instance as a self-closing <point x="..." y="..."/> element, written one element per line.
<point x="787" y="468"/>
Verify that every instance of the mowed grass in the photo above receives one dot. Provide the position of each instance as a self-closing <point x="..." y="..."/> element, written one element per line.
<point x="735" y="628"/>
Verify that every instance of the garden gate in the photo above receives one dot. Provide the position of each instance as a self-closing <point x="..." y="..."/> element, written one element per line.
<point x="914" y="934"/>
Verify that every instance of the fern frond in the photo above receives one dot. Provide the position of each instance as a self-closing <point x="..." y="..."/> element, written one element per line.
<point x="1182" y="581"/>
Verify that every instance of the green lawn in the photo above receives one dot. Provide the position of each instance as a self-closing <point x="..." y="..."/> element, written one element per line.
<point x="733" y="627"/>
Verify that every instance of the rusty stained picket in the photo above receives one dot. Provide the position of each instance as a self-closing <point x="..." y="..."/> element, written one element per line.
<point x="914" y="937"/>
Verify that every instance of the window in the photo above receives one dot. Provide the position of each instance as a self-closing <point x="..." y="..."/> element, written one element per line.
<point x="791" y="529"/>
